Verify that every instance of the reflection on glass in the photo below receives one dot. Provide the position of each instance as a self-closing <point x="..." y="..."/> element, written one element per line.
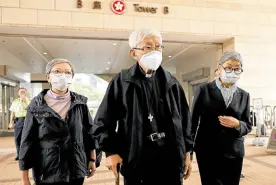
<point x="92" y="87"/>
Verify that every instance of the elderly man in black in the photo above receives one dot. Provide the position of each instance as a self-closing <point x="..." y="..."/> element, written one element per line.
<point x="148" y="107"/>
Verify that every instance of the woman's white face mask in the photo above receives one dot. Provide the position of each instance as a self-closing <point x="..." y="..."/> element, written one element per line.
<point x="152" y="60"/>
<point x="229" y="78"/>
<point x="60" y="82"/>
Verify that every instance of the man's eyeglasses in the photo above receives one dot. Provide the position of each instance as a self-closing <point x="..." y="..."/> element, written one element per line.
<point x="151" y="48"/>
<point x="59" y="73"/>
<point x="229" y="69"/>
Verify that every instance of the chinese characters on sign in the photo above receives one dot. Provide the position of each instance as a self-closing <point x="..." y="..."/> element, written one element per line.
<point x="119" y="6"/>
<point x="97" y="5"/>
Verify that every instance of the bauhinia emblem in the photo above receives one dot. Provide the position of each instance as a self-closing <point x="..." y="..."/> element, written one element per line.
<point x="118" y="7"/>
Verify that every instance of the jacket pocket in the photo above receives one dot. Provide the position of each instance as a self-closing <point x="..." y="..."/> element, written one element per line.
<point x="80" y="158"/>
<point x="50" y="162"/>
<point x="234" y="149"/>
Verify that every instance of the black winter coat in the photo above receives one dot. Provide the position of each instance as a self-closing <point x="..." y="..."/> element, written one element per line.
<point x="123" y="104"/>
<point x="56" y="150"/>
<point x="213" y="138"/>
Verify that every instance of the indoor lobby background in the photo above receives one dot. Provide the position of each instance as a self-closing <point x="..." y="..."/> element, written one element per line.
<point x="93" y="35"/>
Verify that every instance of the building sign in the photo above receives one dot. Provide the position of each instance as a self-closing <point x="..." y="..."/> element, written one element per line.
<point x="258" y="103"/>
<point x="97" y="5"/>
<point x="153" y="10"/>
<point x="118" y="7"/>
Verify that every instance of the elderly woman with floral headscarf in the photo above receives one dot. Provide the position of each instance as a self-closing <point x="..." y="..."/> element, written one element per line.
<point x="56" y="140"/>
<point x="220" y="119"/>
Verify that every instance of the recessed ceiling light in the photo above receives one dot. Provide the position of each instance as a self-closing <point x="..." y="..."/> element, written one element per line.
<point x="170" y="56"/>
<point x="107" y="68"/>
<point x="108" y="62"/>
<point x="45" y="53"/>
<point x="114" y="44"/>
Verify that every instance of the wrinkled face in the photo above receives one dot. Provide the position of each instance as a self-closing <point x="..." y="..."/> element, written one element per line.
<point x="59" y="70"/>
<point x="147" y="45"/>
<point x="22" y="92"/>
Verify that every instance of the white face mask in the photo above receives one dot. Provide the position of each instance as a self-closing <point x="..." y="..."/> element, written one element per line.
<point x="152" y="60"/>
<point x="229" y="78"/>
<point x="60" y="82"/>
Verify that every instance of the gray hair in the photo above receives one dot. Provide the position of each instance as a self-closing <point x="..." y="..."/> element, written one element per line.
<point x="137" y="36"/>
<point x="55" y="61"/>
<point x="232" y="55"/>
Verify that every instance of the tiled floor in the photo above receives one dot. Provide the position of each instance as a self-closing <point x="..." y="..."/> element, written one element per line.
<point x="259" y="168"/>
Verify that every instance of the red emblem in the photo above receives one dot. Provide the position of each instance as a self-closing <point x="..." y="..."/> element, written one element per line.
<point x="118" y="7"/>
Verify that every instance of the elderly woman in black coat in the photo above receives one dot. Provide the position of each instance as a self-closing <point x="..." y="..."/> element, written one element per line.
<point x="220" y="119"/>
<point x="56" y="140"/>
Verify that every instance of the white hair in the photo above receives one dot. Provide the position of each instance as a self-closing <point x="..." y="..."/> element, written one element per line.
<point x="137" y="36"/>
<point x="55" y="61"/>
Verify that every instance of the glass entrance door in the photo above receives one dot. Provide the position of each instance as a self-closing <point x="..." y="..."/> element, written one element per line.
<point x="7" y="94"/>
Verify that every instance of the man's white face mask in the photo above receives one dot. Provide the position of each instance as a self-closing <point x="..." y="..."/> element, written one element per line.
<point x="152" y="60"/>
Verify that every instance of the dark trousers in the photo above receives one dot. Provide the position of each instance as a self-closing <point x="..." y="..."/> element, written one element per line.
<point x="219" y="170"/>
<point x="74" y="182"/>
<point x="160" y="166"/>
<point x="18" y="127"/>
<point x="152" y="178"/>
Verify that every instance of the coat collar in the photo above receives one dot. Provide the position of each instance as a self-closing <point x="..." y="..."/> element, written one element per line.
<point x="133" y="75"/>
<point x="217" y="95"/>
<point x="39" y="99"/>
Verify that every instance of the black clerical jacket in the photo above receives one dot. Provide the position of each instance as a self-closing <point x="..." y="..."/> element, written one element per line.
<point x="122" y="104"/>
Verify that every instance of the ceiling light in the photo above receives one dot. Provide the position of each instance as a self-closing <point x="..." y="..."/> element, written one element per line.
<point x="45" y="53"/>
<point x="170" y="56"/>
<point x="108" y="62"/>
<point x="114" y="44"/>
<point x="107" y="68"/>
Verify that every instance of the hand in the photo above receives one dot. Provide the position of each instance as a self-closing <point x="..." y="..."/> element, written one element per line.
<point x="112" y="163"/>
<point x="26" y="182"/>
<point x="23" y="98"/>
<point x="11" y="125"/>
<point x="229" y="122"/>
<point x="188" y="166"/>
<point x="91" y="169"/>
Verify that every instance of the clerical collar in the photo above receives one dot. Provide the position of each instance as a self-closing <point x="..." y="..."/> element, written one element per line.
<point x="148" y="74"/>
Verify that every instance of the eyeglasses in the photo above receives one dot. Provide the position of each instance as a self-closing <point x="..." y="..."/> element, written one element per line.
<point x="151" y="48"/>
<point x="229" y="69"/>
<point x="59" y="73"/>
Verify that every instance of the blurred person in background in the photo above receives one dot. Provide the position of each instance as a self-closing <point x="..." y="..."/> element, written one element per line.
<point x="18" y="113"/>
